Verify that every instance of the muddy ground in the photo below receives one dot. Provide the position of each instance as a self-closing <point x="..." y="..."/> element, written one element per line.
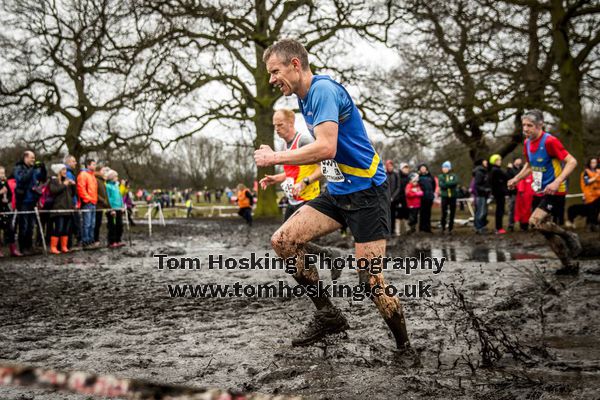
<point x="500" y="325"/>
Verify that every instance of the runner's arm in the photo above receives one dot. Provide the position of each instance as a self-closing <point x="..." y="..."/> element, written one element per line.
<point x="323" y="148"/>
<point x="521" y="175"/>
<point x="278" y="178"/>
<point x="570" y="165"/>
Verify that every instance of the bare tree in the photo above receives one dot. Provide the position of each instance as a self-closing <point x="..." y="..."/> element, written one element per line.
<point x="574" y="37"/>
<point x="453" y="79"/>
<point x="220" y="45"/>
<point x="471" y="67"/>
<point x="204" y="160"/>
<point x="77" y="73"/>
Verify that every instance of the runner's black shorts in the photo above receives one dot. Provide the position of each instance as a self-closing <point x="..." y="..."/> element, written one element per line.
<point x="550" y="203"/>
<point x="367" y="212"/>
<point x="291" y="209"/>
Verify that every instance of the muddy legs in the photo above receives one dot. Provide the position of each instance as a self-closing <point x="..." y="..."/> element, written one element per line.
<point x="389" y="307"/>
<point x="291" y="240"/>
<point x="564" y="244"/>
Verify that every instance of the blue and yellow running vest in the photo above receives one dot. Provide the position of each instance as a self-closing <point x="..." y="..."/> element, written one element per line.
<point x="356" y="166"/>
<point x="544" y="168"/>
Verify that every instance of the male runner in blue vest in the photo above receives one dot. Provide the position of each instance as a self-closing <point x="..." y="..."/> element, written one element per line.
<point x="356" y="190"/>
<point x="550" y="164"/>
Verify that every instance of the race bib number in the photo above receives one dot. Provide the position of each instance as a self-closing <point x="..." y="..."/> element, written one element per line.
<point x="536" y="184"/>
<point x="331" y="171"/>
<point x="287" y="187"/>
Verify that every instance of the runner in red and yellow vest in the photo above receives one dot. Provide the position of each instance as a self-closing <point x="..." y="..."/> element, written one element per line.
<point x="300" y="183"/>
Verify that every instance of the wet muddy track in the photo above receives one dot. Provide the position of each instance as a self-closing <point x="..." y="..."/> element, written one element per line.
<point x="109" y="312"/>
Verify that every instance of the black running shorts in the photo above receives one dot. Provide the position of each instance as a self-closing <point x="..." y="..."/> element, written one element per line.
<point x="552" y="204"/>
<point x="367" y="212"/>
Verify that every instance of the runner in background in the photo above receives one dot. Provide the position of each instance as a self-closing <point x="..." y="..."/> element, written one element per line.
<point x="245" y="200"/>
<point x="300" y="183"/>
<point x="550" y="165"/>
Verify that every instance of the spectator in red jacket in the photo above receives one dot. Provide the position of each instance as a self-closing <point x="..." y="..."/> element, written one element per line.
<point x="6" y="220"/>
<point x="523" y="202"/>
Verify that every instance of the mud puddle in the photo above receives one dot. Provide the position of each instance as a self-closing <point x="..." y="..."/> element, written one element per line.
<point x="478" y="253"/>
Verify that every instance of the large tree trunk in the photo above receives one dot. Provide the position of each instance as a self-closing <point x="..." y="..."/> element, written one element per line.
<point x="72" y="136"/>
<point x="569" y="91"/>
<point x="263" y="121"/>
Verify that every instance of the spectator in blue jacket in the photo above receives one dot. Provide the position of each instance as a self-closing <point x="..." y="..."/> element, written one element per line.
<point x="28" y="174"/>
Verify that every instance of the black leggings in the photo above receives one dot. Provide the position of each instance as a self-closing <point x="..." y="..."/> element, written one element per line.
<point x="593" y="210"/>
<point x="7" y="226"/>
<point x="425" y="215"/>
<point x="60" y="225"/>
<point x="448" y="204"/>
<point x="500" y="200"/>
<point x="413" y="216"/>
<point x="246" y="213"/>
<point x="115" y="226"/>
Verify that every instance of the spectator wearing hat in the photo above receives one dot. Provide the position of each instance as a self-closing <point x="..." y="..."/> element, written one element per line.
<point x="62" y="189"/>
<point x="499" y="189"/>
<point x="115" y="214"/>
<point x="448" y="182"/>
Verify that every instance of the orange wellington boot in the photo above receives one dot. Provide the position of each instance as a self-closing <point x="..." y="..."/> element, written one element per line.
<point x="64" y="240"/>
<point x="54" y="244"/>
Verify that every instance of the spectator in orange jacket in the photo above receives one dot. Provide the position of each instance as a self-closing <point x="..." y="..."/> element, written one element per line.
<point x="245" y="200"/>
<point x="87" y="190"/>
<point x="590" y="185"/>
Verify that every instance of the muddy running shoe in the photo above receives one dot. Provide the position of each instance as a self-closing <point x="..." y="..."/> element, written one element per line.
<point x="324" y="322"/>
<point x="571" y="269"/>
<point x="574" y="244"/>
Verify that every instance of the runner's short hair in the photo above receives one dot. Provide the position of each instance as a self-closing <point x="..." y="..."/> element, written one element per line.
<point x="287" y="114"/>
<point x="535" y="116"/>
<point x="286" y="49"/>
